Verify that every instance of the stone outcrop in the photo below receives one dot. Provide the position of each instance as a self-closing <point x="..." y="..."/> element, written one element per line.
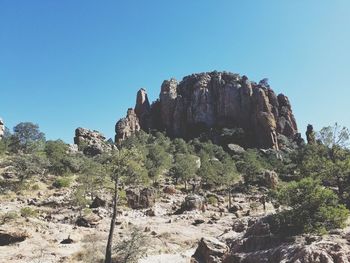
<point x="210" y="250"/>
<point x="212" y="101"/>
<point x="2" y="129"/>
<point x="125" y="127"/>
<point x="310" y="134"/>
<point x="91" y="142"/>
<point x="138" y="199"/>
<point x="257" y="244"/>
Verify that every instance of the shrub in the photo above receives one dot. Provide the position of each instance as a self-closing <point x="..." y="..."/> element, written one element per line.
<point x="313" y="208"/>
<point x="8" y="216"/>
<point x="61" y="182"/>
<point x="28" y="212"/>
<point x="212" y="200"/>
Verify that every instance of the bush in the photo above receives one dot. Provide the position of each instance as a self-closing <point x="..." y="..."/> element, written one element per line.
<point x="313" y="208"/>
<point x="8" y="216"/>
<point x="61" y="182"/>
<point x="212" y="200"/>
<point x="28" y="212"/>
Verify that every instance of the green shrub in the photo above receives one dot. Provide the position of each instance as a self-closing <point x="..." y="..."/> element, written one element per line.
<point x="62" y="182"/>
<point x="35" y="187"/>
<point x="28" y="212"/>
<point x="212" y="200"/>
<point x="313" y="208"/>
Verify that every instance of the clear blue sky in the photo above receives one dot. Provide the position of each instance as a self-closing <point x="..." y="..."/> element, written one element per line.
<point x="65" y="64"/>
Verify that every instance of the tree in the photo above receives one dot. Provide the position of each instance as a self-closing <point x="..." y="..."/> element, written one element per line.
<point x="126" y="165"/>
<point x="92" y="178"/>
<point x="26" y="137"/>
<point x="328" y="160"/>
<point x="184" y="168"/>
<point x="313" y="208"/>
<point x="134" y="247"/>
<point x="157" y="160"/>
<point x="56" y="151"/>
<point x="251" y="166"/>
<point x="27" y="165"/>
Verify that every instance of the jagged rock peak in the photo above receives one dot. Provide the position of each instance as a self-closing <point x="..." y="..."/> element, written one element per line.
<point x="142" y="108"/>
<point x="215" y="100"/>
<point x="2" y="129"/>
<point x="125" y="127"/>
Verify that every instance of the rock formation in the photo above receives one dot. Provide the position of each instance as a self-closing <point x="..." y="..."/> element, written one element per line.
<point x="257" y="245"/>
<point x="138" y="199"/>
<point x="127" y="126"/>
<point x="91" y="142"/>
<point x="2" y="129"/>
<point x="212" y="101"/>
<point x="310" y="135"/>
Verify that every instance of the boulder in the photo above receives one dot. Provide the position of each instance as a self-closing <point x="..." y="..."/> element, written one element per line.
<point x="170" y="189"/>
<point x="235" y="149"/>
<point x="91" y="142"/>
<point x="271" y="179"/>
<point x="205" y="102"/>
<point x="98" y="202"/>
<point x="139" y="199"/>
<point x="193" y="202"/>
<point x="8" y="238"/>
<point x="210" y="250"/>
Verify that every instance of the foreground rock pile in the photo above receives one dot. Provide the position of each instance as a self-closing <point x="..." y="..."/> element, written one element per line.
<point x="215" y="100"/>
<point x="257" y="244"/>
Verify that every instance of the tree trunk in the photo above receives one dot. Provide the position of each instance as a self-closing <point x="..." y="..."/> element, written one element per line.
<point x="229" y="198"/>
<point x="108" y="258"/>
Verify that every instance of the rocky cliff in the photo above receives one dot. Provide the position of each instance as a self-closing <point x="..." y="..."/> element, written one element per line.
<point x="209" y="102"/>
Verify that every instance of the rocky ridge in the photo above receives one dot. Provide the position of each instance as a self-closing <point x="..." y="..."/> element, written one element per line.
<point x="209" y="102"/>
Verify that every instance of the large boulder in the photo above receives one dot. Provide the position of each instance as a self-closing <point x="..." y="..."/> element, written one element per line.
<point x="91" y="142"/>
<point x="193" y="202"/>
<point x="139" y="199"/>
<point x="8" y="238"/>
<point x="210" y="250"/>
<point x="204" y="102"/>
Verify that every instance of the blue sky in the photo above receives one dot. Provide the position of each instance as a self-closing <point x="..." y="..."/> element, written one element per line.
<point x="65" y="64"/>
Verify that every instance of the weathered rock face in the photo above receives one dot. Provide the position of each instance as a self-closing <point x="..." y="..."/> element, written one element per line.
<point x="206" y="101"/>
<point x="91" y="142"/>
<point x="127" y="126"/>
<point x="2" y="129"/>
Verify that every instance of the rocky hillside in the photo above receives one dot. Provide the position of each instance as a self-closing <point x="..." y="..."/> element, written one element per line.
<point x="209" y="102"/>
